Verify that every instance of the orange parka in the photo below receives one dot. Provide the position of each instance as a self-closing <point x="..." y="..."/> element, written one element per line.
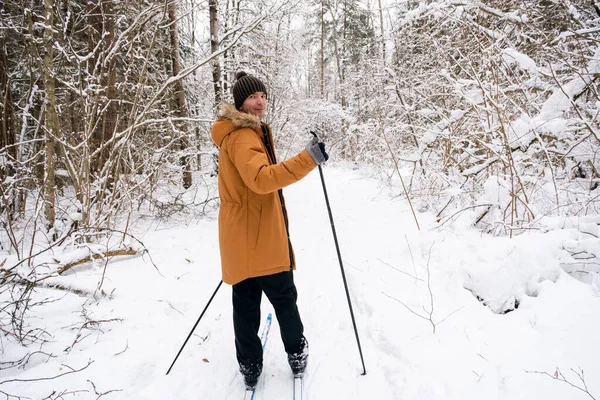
<point x="253" y="232"/>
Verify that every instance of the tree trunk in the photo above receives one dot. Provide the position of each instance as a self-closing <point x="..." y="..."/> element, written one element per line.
<point x="94" y="35"/>
<point x="102" y="29"/>
<point x="7" y="120"/>
<point x="345" y="57"/>
<point x="214" y="47"/>
<point x="109" y="123"/>
<point x="52" y="124"/>
<point x="322" y="78"/>
<point x="7" y="131"/>
<point x="382" y="33"/>
<point x="179" y="94"/>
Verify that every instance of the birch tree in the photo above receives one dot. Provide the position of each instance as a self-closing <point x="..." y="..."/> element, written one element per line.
<point x="214" y="47"/>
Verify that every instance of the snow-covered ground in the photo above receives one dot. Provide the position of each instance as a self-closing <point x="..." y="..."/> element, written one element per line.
<point x="396" y="274"/>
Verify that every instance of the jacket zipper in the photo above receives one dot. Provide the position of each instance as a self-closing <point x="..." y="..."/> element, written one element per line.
<point x="268" y="145"/>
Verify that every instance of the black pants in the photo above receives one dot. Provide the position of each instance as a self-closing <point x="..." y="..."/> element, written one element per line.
<point x="282" y="294"/>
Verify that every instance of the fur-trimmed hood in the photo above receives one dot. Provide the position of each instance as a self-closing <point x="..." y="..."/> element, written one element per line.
<point x="230" y="120"/>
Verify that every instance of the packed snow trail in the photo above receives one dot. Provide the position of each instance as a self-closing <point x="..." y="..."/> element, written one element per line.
<point x="474" y="353"/>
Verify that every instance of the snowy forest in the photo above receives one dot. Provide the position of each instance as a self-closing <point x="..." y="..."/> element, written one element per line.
<point x="474" y="115"/>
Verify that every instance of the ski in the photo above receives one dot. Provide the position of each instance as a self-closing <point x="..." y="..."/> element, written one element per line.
<point x="298" y="388"/>
<point x="264" y="336"/>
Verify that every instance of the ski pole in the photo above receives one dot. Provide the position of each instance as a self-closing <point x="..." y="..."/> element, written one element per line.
<point x="337" y="247"/>
<point x="195" y="325"/>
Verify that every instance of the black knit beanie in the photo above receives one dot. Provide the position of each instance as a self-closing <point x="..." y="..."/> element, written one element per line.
<point x="244" y="86"/>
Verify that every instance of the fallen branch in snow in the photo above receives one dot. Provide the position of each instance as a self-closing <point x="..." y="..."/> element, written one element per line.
<point x="21" y="363"/>
<point x="124" y="350"/>
<point x="10" y="396"/>
<point x="581" y="255"/>
<point x="57" y="286"/>
<point x="84" y="232"/>
<point x="107" y="254"/>
<point x="429" y="316"/>
<point x="104" y="393"/>
<point x="86" y="325"/>
<point x="72" y="371"/>
<point x="558" y="376"/>
<point x="146" y="251"/>
<point x="89" y="324"/>
<point x="61" y="395"/>
<point x="399" y="270"/>
<point x="412" y="258"/>
<point x="171" y="305"/>
<point x="489" y="206"/>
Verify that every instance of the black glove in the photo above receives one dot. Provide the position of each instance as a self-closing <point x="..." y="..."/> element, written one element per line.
<point x="317" y="151"/>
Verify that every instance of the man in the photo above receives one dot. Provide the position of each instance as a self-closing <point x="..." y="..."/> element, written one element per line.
<point x="256" y="251"/>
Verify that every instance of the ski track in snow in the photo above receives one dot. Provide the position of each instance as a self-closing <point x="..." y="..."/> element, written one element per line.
<point x="474" y="353"/>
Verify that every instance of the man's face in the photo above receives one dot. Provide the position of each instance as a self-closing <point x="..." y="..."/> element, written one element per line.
<point x="255" y="104"/>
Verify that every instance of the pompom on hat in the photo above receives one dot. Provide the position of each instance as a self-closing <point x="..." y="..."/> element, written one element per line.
<point x="244" y="86"/>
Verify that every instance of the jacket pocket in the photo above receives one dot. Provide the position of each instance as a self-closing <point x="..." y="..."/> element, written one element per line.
<point x="254" y="223"/>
